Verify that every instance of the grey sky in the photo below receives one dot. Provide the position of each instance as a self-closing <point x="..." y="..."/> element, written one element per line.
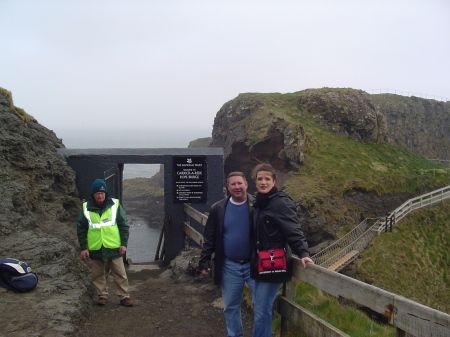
<point x="152" y="66"/>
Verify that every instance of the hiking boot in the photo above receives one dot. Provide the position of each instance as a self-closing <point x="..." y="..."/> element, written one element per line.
<point x="102" y="301"/>
<point x="126" y="302"/>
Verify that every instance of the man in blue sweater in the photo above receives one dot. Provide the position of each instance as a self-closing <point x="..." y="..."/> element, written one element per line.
<point x="227" y="235"/>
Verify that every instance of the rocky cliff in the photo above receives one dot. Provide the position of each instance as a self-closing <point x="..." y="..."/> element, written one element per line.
<point x="421" y="125"/>
<point x="38" y="226"/>
<point x="256" y="127"/>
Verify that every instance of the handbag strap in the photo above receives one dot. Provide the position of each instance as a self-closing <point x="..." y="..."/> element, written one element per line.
<point x="257" y="233"/>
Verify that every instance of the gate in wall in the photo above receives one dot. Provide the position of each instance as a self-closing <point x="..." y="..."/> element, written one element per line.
<point x="191" y="175"/>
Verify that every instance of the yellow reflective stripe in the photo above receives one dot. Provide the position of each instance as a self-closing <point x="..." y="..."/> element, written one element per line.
<point x="108" y="218"/>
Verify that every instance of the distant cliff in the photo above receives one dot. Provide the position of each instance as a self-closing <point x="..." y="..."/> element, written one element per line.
<point x="38" y="212"/>
<point x="421" y="125"/>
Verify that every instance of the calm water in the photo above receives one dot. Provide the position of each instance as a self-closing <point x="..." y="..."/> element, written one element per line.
<point x="143" y="240"/>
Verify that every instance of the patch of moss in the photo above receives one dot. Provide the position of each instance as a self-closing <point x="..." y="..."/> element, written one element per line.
<point x="18" y="111"/>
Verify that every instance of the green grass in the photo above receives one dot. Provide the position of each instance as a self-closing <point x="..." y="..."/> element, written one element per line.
<point x="18" y="111"/>
<point x="413" y="260"/>
<point x="348" y="319"/>
<point x="138" y="188"/>
<point x="200" y="142"/>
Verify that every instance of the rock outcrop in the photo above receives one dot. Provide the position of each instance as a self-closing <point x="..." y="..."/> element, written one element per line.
<point x="421" y="125"/>
<point x="351" y="113"/>
<point x="239" y="126"/>
<point x="38" y="226"/>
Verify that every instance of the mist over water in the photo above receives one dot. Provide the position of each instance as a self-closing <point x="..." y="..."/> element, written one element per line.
<point x="131" y="171"/>
<point x="99" y="138"/>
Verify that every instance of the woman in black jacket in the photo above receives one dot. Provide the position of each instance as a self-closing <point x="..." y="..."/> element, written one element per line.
<point x="275" y="226"/>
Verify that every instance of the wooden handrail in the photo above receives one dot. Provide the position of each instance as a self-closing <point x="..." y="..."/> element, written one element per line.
<point x="409" y="316"/>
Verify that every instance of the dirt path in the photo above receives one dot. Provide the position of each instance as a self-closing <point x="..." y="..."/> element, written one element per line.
<point x="168" y="303"/>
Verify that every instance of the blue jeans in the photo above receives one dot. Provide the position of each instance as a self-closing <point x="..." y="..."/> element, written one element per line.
<point x="234" y="275"/>
<point x="263" y="297"/>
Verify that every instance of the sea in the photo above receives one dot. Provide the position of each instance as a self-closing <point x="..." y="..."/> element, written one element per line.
<point x="144" y="237"/>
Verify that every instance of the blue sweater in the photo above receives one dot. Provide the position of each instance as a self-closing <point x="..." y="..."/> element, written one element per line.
<point x="236" y="231"/>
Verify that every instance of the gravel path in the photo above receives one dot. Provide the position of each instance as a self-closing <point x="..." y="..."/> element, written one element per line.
<point x="168" y="303"/>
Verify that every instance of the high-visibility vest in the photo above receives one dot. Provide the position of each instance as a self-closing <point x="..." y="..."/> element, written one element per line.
<point x="103" y="229"/>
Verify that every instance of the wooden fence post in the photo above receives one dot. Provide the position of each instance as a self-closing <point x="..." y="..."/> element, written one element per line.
<point x="289" y="291"/>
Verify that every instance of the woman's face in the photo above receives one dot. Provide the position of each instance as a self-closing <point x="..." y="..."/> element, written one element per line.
<point x="264" y="182"/>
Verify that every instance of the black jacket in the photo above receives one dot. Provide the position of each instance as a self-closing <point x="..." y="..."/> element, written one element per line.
<point x="277" y="226"/>
<point x="213" y="237"/>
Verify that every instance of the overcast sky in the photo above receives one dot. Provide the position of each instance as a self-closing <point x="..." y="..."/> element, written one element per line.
<point x="168" y="66"/>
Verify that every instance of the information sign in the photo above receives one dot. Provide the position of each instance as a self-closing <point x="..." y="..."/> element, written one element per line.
<point x="190" y="179"/>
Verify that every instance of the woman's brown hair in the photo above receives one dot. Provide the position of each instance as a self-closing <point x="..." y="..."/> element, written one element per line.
<point x="263" y="167"/>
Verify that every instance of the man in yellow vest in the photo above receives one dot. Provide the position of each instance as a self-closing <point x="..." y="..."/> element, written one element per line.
<point x="103" y="233"/>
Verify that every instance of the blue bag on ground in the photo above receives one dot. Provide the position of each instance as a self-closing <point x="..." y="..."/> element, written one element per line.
<point x="17" y="275"/>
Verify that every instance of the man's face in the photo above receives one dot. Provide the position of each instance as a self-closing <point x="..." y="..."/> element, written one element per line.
<point x="237" y="188"/>
<point x="99" y="197"/>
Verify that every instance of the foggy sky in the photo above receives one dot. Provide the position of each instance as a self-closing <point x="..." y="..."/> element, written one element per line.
<point x="166" y="67"/>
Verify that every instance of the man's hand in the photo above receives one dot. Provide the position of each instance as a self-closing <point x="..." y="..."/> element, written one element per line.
<point x="306" y="260"/>
<point x="122" y="250"/>
<point x="84" y="254"/>
<point x="206" y="271"/>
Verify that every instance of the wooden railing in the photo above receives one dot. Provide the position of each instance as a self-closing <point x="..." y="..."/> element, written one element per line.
<point x="347" y="248"/>
<point x="407" y="316"/>
<point x="419" y="202"/>
<point x="410" y="318"/>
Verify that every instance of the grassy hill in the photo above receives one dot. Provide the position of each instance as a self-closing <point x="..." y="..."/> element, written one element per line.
<point x="414" y="259"/>
<point x="340" y="180"/>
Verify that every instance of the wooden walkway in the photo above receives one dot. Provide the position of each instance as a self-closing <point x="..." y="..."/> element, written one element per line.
<point x="345" y="260"/>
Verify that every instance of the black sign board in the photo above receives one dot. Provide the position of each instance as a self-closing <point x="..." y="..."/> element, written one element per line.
<point x="189" y="174"/>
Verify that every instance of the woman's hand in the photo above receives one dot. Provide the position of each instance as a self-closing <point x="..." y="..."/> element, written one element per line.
<point x="306" y="260"/>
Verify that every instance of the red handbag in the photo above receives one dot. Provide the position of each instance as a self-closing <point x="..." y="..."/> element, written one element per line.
<point x="272" y="261"/>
